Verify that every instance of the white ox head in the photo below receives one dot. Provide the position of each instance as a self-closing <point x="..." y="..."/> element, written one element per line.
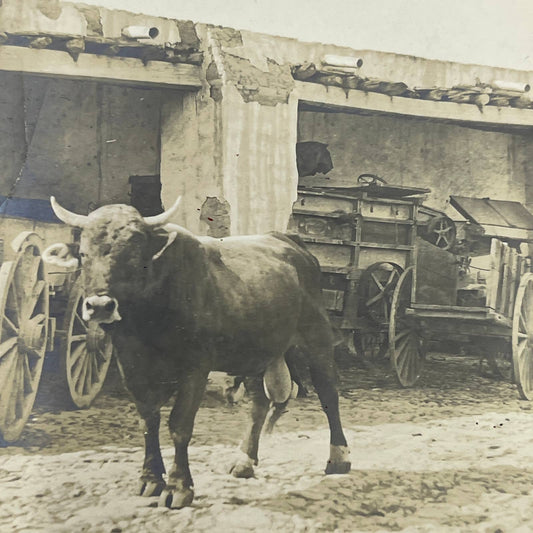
<point x="117" y="248"/>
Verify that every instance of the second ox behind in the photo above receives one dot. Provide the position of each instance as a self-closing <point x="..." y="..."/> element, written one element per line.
<point x="179" y="306"/>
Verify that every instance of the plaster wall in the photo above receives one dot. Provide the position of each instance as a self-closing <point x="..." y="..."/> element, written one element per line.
<point x="260" y="175"/>
<point x="446" y="158"/>
<point x="190" y="157"/>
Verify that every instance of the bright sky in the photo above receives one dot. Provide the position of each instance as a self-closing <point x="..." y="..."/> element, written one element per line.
<point x="489" y="32"/>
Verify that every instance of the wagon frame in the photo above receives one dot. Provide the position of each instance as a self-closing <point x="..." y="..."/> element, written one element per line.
<point x="380" y="250"/>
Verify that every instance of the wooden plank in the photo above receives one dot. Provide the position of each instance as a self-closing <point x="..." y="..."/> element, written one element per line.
<point x="515" y="279"/>
<point x="451" y="308"/>
<point x="331" y="97"/>
<point x="493" y="277"/>
<point x="99" y="68"/>
<point x="505" y="280"/>
<point x="386" y="246"/>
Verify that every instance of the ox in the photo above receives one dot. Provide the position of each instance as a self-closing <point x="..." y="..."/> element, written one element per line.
<point x="179" y="306"/>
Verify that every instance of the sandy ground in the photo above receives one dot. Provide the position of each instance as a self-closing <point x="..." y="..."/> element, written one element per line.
<point x="452" y="454"/>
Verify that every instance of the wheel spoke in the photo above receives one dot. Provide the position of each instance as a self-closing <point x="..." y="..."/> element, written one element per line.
<point x="401" y="334"/>
<point x="78" y="338"/>
<point x="77" y="354"/>
<point x="521" y="347"/>
<point x="371" y="301"/>
<point x="12" y="304"/>
<point x="28" y="377"/>
<point x="6" y="392"/>
<point x="377" y="281"/>
<point x="14" y="329"/>
<point x="78" y="321"/>
<point x="88" y="381"/>
<point x="402" y="361"/>
<point x="7" y="345"/>
<point x="81" y="377"/>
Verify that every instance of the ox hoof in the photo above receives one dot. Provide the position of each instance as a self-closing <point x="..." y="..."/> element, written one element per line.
<point x="338" y="468"/>
<point x="339" y="460"/>
<point x="151" y="488"/>
<point x="176" y="499"/>
<point x="243" y="467"/>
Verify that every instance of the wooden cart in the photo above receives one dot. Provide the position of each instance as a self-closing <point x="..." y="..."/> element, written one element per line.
<point x="489" y="306"/>
<point x="394" y="277"/>
<point x="364" y="237"/>
<point x="40" y="316"/>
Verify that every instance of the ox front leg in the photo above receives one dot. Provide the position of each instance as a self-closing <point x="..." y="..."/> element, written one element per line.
<point x="152" y="482"/>
<point x="179" y="489"/>
<point x="244" y="465"/>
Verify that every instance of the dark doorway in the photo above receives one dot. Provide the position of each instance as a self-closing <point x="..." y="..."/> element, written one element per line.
<point x="145" y="194"/>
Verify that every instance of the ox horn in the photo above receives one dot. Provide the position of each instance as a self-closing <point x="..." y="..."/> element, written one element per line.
<point x="72" y="219"/>
<point x="159" y="220"/>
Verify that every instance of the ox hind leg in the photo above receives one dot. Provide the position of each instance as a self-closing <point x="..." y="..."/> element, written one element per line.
<point x="179" y="492"/>
<point x="317" y="339"/>
<point x="244" y="465"/>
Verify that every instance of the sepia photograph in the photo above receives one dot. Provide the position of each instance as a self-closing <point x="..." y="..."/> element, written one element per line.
<point x="266" y="266"/>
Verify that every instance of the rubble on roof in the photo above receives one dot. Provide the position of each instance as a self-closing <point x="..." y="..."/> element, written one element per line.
<point x="496" y="93"/>
<point x="126" y="46"/>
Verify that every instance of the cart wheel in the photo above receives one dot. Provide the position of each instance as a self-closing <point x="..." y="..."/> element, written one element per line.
<point x="442" y="232"/>
<point x="23" y="333"/>
<point x="86" y="352"/>
<point x="522" y="337"/>
<point x="370" y="179"/>
<point x="375" y="290"/>
<point x="406" y="346"/>
<point x="501" y="364"/>
<point x="371" y="345"/>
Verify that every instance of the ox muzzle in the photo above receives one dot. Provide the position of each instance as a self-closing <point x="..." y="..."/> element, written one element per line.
<point x="101" y="309"/>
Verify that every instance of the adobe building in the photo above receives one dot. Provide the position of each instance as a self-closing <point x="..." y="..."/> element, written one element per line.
<point x="97" y="106"/>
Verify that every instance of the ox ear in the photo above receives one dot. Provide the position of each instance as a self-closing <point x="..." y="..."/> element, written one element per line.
<point x="60" y="254"/>
<point x="162" y="242"/>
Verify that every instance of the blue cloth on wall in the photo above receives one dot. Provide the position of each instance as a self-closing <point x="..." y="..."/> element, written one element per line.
<point x="39" y="210"/>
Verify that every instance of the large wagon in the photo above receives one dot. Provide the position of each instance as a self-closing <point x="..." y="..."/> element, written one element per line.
<point x="40" y="316"/>
<point x="395" y="277"/>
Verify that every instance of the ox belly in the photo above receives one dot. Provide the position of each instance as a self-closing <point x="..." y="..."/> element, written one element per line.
<point x="258" y="301"/>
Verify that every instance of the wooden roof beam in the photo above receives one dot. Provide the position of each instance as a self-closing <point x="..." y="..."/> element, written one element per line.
<point x="337" y="98"/>
<point x="122" y="70"/>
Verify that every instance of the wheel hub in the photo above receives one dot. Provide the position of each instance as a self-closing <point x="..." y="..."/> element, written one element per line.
<point x="95" y="338"/>
<point x="32" y="334"/>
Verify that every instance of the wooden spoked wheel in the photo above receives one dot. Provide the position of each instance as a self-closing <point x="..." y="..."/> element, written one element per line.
<point x="86" y="351"/>
<point x="375" y="290"/>
<point x="372" y="345"/>
<point x="522" y="337"/>
<point x="501" y="364"/>
<point x="406" y="345"/>
<point x="442" y="232"/>
<point x="23" y="333"/>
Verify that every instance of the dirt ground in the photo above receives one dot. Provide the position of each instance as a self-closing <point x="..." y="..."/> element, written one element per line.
<point x="453" y="454"/>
